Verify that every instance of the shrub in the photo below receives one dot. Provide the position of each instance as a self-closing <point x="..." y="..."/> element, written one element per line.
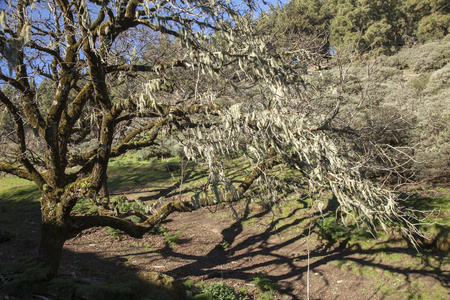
<point x="165" y="149"/>
<point x="221" y="291"/>
<point x="172" y="239"/>
<point x="263" y="283"/>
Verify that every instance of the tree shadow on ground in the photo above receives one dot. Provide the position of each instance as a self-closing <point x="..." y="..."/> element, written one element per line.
<point x="218" y="261"/>
<point x="235" y="261"/>
<point x="81" y="275"/>
<point x="86" y="276"/>
<point x="173" y="190"/>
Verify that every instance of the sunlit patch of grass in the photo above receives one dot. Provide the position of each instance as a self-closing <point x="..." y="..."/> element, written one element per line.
<point x="436" y="208"/>
<point x="390" y="285"/>
<point x="17" y="189"/>
<point x="84" y="206"/>
<point x="18" y="198"/>
<point x="429" y="203"/>
<point x="131" y="174"/>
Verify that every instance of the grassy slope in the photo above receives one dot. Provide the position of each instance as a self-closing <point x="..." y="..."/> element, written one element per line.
<point x="402" y="100"/>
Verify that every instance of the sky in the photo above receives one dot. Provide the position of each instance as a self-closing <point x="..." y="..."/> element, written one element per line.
<point x="269" y="2"/>
<point x="265" y="7"/>
<point x="274" y="2"/>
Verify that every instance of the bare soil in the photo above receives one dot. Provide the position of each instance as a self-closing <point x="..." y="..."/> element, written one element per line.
<point x="214" y="246"/>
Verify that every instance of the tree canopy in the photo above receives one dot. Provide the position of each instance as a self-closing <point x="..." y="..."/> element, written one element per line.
<point x="85" y="81"/>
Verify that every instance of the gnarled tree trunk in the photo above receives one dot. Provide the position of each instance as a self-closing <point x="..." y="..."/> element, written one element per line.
<point x="54" y="231"/>
<point x="53" y="237"/>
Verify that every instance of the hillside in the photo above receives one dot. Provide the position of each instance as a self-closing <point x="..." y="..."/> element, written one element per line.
<point x="400" y="101"/>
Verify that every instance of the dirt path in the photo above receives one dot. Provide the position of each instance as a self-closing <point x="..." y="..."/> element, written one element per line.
<point x="213" y="246"/>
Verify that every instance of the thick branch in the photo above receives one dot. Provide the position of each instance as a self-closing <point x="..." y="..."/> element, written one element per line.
<point x="19" y="172"/>
<point x="16" y="84"/>
<point x="33" y="174"/>
<point x="163" y="110"/>
<point x="77" y="108"/>
<point x="128" y="145"/>
<point x="165" y="211"/>
<point x="52" y="52"/>
<point x="80" y="223"/>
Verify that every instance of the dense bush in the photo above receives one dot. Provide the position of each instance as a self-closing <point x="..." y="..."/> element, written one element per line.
<point x="399" y="102"/>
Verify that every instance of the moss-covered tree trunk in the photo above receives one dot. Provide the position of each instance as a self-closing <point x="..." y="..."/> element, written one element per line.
<point x="53" y="237"/>
<point x="53" y="230"/>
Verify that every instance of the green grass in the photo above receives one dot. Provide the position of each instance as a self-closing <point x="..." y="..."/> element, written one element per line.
<point x="17" y="189"/>
<point x="172" y="239"/>
<point x="19" y="200"/>
<point x="154" y="174"/>
<point x="391" y="285"/>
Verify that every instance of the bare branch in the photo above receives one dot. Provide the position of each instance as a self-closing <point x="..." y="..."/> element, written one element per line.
<point x="145" y="68"/>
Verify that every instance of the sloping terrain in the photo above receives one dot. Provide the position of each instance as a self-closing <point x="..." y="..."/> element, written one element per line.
<point x="242" y="245"/>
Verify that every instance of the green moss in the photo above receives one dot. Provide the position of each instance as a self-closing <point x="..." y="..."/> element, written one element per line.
<point x="24" y="277"/>
<point x="85" y="206"/>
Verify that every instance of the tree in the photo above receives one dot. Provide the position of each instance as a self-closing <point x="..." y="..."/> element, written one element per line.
<point x="367" y="26"/>
<point x="427" y="19"/>
<point x="300" y="24"/>
<point x="122" y="71"/>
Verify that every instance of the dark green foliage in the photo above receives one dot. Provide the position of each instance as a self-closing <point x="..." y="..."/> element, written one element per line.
<point x="370" y="27"/>
<point x="331" y="230"/>
<point x="219" y="291"/>
<point x="303" y="21"/>
<point x="427" y="19"/>
<point x="263" y="283"/>
<point x="366" y="26"/>
<point x="172" y="239"/>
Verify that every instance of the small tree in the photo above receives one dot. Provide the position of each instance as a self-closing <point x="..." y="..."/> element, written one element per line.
<point x="191" y="56"/>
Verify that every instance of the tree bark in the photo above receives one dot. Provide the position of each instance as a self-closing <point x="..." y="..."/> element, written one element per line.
<point x="53" y="237"/>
